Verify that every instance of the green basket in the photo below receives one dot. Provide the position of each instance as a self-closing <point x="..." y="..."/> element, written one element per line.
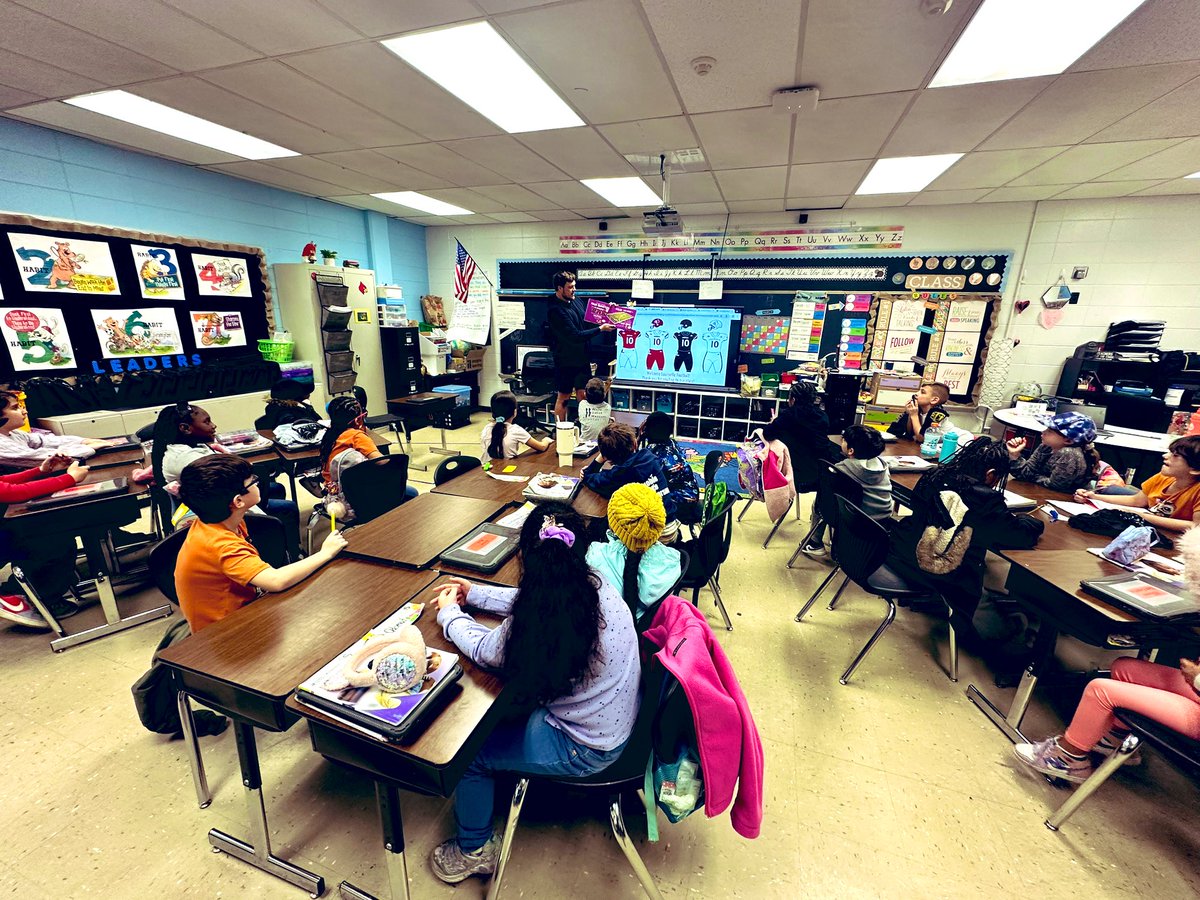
<point x="277" y="351"/>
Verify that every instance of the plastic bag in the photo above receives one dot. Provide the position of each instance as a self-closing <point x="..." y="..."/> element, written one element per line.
<point x="679" y="786"/>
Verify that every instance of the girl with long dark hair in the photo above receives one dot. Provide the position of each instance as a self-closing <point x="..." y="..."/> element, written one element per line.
<point x="345" y="444"/>
<point x="568" y="648"/>
<point x="502" y="438"/>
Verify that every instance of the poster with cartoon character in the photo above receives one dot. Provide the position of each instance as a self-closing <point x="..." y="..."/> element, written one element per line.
<point x="137" y="332"/>
<point x="36" y="338"/>
<point x="223" y="275"/>
<point x="158" y="272"/>
<point x="66" y="265"/>
<point x="216" y="330"/>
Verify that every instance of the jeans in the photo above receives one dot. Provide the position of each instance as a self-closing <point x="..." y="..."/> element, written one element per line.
<point x="530" y="747"/>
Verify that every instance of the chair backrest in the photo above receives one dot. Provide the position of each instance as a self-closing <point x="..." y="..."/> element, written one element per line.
<point x="537" y="371"/>
<point x="375" y="486"/>
<point x="860" y="544"/>
<point x="711" y="547"/>
<point x="712" y="462"/>
<point x="453" y="466"/>
<point x="806" y="471"/>
<point x="360" y="395"/>
<point x="162" y="563"/>
<point x="834" y="484"/>
<point x="269" y="539"/>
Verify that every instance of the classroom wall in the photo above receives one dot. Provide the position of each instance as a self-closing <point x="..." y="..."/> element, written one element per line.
<point x="1143" y="255"/>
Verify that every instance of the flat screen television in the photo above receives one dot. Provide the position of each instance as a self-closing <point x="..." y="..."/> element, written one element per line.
<point x="680" y="346"/>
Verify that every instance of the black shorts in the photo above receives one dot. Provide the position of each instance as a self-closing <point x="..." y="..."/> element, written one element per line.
<point x="568" y="379"/>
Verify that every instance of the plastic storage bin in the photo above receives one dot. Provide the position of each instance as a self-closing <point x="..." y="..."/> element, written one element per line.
<point x="462" y="393"/>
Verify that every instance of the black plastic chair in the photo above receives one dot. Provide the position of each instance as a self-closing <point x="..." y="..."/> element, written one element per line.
<point x="833" y="484"/>
<point x="162" y="564"/>
<point x="534" y="390"/>
<point x="375" y="486"/>
<point x="453" y="466"/>
<point x="708" y="552"/>
<point x="806" y="474"/>
<point x="1179" y="749"/>
<point x="269" y="538"/>
<point x="387" y="420"/>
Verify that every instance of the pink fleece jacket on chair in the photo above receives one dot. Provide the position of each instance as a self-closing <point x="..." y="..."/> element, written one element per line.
<point x="779" y="485"/>
<point x="731" y="752"/>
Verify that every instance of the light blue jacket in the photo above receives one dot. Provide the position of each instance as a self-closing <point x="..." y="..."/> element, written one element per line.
<point x="659" y="570"/>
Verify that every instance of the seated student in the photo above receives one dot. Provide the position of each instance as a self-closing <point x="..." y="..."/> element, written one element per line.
<point x="862" y="446"/>
<point x="218" y="570"/>
<point x="594" y="409"/>
<point x="1171" y="499"/>
<point x="47" y="560"/>
<point x="287" y="404"/>
<point x="501" y="438"/>
<point x="346" y="444"/>
<point x="923" y="410"/>
<point x="567" y="649"/>
<point x="620" y="462"/>
<point x="19" y="448"/>
<point x="632" y="559"/>
<point x="802" y="426"/>
<point x="1065" y="460"/>
<point x="184" y="433"/>
<point x="685" y="493"/>
<point x="941" y="547"/>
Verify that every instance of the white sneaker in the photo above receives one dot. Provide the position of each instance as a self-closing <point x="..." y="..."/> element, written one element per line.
<point x="16" y="608"/>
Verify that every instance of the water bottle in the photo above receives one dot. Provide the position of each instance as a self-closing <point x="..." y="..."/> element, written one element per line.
<point x="932" y="444"/>
<point x="949" y="446"/>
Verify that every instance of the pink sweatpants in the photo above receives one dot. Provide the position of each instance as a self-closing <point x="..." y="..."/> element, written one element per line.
<point x="1158" y="692"/>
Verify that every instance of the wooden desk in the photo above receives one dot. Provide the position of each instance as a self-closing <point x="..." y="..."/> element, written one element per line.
<point x="418" y="531"/>
<point x="479" y="484"/>
<point x="248" y="664"/>
<point x="432" y="764"/>
<point x="123" y="457"/>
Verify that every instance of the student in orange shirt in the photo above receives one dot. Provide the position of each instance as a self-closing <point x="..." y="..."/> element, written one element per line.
<point x="346" y="444"/>
<point x="1171" y="499"/>
<point x="218" y="570"/>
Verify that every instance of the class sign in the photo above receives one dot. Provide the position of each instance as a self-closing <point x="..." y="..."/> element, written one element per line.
<point x="935" y="282"/>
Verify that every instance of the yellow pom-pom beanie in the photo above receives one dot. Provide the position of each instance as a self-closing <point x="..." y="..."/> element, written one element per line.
<point x="636" y="516"/>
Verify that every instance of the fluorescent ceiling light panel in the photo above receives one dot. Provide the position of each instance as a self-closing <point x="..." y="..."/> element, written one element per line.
<point x="623" y="192"/>
<point x="173" y="122"/>
<point x="1023" y="38"/>
<point x="475" y="64"/>
<point x="413" y="200"/>
<point x="904" y="174"/>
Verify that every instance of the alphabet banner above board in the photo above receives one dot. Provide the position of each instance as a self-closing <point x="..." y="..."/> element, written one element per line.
<point x="778" y="240"/>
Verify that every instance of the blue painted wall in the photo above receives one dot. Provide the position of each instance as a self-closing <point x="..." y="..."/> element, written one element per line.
<point x="54" y="175"/>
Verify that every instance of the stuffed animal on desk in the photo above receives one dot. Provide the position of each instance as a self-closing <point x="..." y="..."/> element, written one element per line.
<point x="393" y="662"/>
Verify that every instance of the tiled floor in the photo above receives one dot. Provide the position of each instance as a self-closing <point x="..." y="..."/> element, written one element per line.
<point x="893" y="786"/>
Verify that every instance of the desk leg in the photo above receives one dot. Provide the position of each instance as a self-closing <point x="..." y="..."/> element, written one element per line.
<point x="388" y="797"/>
<point x="259" y="853"/>
<point x="443" y="450"/>
<point x="195" y="760"/>
<point x="1010" y="722"/>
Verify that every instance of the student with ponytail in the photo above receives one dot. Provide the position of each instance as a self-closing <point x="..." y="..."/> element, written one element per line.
<point x="568" y="650"/>
<point x="502" y="438"/>
<point x="345" y="444"/>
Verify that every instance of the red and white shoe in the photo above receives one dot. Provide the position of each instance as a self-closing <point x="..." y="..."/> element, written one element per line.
<point x="17" y="609"/>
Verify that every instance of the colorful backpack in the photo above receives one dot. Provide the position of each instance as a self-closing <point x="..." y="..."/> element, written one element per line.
<point x="750" y="457"/>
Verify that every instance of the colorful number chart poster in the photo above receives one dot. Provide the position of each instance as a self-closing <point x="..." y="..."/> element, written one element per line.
<point x="68" y="265"/>
<point x="36" y="338"/>
<point x="221" y="275"/>
<point x="767" y="335"/>
<point x="807" y="325"/>
<point x="158" y="272"/>
<point x="216" y="330"/>
<point x="137" y="332"/>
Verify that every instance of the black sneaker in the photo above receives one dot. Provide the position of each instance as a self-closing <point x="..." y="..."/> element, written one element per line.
<point x="62" y="607"/>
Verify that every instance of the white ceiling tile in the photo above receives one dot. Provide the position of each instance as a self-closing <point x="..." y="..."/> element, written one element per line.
<point x="397" y="175"/>
<point x="1175" y="115"/>
<point x="599" y="56"/>
<point x="74" y="120"/>
<point x="564" y="193"/>
<point x="992" y="168"/>
<point x="323" y="170"/>
<point x="36" y="77"/>
<point x="503" y="6"/>
<point x="822" y="202"/>
<point x="465" y="198"/>
<point x="1079" y="104"/>
<point x="32" y="34"/>
<point x="513" y="217"/>
<point x="691" y="187"/>
<point x="279" y="87"/>
<point x="811" y="179"/>
<point x="755" y="206"/>
<point x="753" y="41"/>
<point x="10" y="96"/>
<point x="650" y="136"/>
<point x="1178" y="186"/>
<point x="956" y="119"/>
<point x="200" y="98"/>
<point x="1034" y="192"/>
<point x="514" y="196"/>
<point x="853" y="128"/>
<point x="1174" y="162"/>
<point x="152" y="29"/>
<point x="1158" y="31"/>
<point x="376" y="19"/>
<point x="580" y="152"/>
<point x="437" y="160"/>
<point x="502" y="154"/>
<point x="847" y="43"/>
<point x="870" y="201"/>
<point x="272" y="26"/>
<point x="267" y="174"/>
<point x="366" y="201"/>
<point x="378" y="79"/>
<point x="556" y="215"/>
<point x="1088" y="161"/>
<point x="1105" y="189"/>
<point x="753" y="184"/>
<point x="716" y="208"/>
<point x="744" y="137"/>
<point x="942" y="198"/>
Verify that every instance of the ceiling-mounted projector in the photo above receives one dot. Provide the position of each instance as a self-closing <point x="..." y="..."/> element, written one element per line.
<point x="664" y="220"/>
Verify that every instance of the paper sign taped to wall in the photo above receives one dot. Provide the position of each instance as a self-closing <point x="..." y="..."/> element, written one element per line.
<point x="643" y="289"/>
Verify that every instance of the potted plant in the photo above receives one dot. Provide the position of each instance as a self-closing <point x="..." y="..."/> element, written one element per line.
<point x="329" y="257"/>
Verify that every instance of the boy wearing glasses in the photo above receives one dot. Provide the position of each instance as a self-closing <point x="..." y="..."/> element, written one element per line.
<point x="218" y="569"/>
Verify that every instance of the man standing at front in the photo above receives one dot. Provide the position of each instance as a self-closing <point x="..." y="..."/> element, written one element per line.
<point x="569" y="336"/>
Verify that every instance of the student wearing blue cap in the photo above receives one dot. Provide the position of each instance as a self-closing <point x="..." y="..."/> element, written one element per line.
<point x="1065" y="460"/>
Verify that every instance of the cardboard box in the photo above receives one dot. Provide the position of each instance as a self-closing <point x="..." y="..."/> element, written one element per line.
<point x="474" y="360"/>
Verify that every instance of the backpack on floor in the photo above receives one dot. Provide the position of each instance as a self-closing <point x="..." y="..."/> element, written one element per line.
<point x="154" y="693"/>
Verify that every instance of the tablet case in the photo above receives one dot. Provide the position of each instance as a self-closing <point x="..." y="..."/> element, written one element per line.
<point x="81" y="492"/>
<point x="1146" y="596"/>
<point x="485" y="549"/>
<point x="564" y="491"/>
<point x="118" y="444"/>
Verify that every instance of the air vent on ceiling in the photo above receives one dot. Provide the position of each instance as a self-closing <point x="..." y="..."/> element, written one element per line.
<point x="690" y="159"/>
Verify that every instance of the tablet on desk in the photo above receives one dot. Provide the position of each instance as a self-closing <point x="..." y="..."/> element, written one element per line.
<point x="111" y="445"/>
<point x="81" y="492"/>
<point x="1146" y="596"/>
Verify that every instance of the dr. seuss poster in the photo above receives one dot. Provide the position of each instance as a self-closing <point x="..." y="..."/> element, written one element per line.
<point x="158" y="272"/>
<point x="137" y="332"/>
<point x="36" y="338"/>
<point x="69" y="265"/>
<point x="218" y="329"/>
<point x="224" y="275"/>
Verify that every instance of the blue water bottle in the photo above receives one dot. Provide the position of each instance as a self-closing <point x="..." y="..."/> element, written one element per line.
<point x="932" y="445"/>
<point x="949" y="446"/>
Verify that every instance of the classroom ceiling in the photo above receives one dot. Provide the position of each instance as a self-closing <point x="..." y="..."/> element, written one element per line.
<point x="310" y="75"/>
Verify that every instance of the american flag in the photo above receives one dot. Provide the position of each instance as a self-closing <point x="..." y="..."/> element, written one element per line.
<point x="464" y="269"/>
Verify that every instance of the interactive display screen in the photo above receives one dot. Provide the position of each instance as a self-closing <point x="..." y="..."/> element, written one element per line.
<point x="679" y="345"/>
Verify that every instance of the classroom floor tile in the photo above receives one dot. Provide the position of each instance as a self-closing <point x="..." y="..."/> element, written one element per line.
<point x="893" y="786"/>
